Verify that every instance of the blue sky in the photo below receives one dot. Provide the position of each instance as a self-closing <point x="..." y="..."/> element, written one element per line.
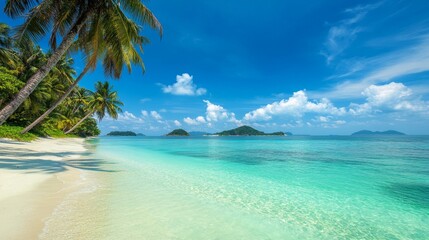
<point x="319" y="67"/>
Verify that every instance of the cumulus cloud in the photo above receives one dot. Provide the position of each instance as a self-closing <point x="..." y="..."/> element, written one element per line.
<point x="326" y="122"/>
<point x="197" y="121"/>
<point x="215" y="112"/>
<point x="126" y="116"/>
<point x="144" y="113"/>
<point x="388" y="97"/>
<point x="297" y="105"/>
<point x="200" y="119"/>
<point x="177" y="123"/>
<point x="155" y="115"/>
<point x="184" y="86"/>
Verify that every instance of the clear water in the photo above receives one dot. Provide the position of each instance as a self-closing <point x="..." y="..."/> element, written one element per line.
<point x="264" y="188"/>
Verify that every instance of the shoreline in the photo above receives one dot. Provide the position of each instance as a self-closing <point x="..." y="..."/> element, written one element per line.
<point x="35" y="178"/>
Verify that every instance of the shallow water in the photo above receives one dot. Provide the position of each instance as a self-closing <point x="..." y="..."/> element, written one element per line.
<point x="261" y="188"/>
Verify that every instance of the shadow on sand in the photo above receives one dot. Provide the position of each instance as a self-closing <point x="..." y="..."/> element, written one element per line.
<point x="35" y="162"/>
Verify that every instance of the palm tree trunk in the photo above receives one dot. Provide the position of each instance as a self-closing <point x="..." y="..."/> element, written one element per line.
<point x="34" y="80"/>
<point x="58" y="102"/>
<point x="78" y="123"/>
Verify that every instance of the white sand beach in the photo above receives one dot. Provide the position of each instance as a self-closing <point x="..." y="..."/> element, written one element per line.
<point x="35" y="178"/>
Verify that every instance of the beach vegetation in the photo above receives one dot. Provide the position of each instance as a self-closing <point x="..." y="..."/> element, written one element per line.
<point x="178" y="132"/>
<point x="14" y="132"/>
<point x="121" y="133"/>
<point x="247" y="131"/>
<point x="104" y="30"/>
<point x="103" y="101"/>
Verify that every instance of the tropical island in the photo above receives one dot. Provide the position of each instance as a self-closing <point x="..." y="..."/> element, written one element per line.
<point x="122" y="133"/>
<point x="178" y="133"/>
<point x="378" y="133"/>
<point x="247" y="131"/>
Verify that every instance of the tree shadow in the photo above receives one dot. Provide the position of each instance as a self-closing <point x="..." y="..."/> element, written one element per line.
<point x="44" y="154"/>
<point x="51" y="166"/>
<point x="30" y="161"/>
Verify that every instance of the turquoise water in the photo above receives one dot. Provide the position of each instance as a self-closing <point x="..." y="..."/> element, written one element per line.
<point x="265" y="188"/>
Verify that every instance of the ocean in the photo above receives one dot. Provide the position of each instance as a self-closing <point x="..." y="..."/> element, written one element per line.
<point x="294" y="187"/>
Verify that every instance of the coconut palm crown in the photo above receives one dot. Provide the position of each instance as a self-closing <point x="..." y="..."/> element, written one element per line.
<point x="99" y="28"/>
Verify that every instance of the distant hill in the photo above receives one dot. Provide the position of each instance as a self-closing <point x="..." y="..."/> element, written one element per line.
<point x="178" y="132"/>
<point x="121" y="133"/>
<point x="247" y="131"/>
<point x="195" y="133"/>
<point x="377" y="133"/>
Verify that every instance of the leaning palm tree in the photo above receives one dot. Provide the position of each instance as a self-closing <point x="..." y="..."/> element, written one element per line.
<point x="71" y="19"/>
<point x="103" y="101"/>
<point x="114" y="54"/>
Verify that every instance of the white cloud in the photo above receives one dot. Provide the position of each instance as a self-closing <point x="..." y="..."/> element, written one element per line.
<point x="296" y="106"/>
<point x="200" y="119"/>
<point x="325" y="122"/>
<point x="215" y="112"/>
<point x="144" y="113"/>
<point x="386" y="94"/>
<point x="411" y="56"/>
<point x="197" y="121"/>
<point x="323" y="119"/>
<point x="184" y="86"/>
<point x="389" y="97"/>
<point x="155" y="115"/>
<point x="127" y="116"/>
<point x="177" y="123"/>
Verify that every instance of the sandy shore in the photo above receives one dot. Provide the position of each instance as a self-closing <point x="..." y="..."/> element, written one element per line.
<point x="34" y="179"/>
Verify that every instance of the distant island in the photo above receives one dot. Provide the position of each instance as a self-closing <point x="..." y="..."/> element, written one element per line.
<point x="247" y="131"/>
<point x="121" y="133"/>
<point x="377" y="133"/>
<point x="178" y="132"/>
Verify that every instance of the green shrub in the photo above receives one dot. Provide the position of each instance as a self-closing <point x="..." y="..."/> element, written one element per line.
<point x="13" y="132"/>
<point x="49" y="130"/>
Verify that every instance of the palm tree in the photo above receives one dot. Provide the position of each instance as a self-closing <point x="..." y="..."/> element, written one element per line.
<point x="29" y="59"/>
<point x="7" y="55"/>
<point x="114" y="54"/>
<point x="78" y="99"/>
<point x="97" y="20"/>
<point x="103" y="101"/>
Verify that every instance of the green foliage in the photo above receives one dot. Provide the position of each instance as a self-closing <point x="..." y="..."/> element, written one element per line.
<point x="14" y="132"/>
<point x="87" y="129"/>
<point x="247" y="131"/>
<point x="49" y="129"/>
<point x="105" y="99"/>
<point x="241" y="131"/>
<point x="28" y="58"/>
<point x="9" y="85"/>
<point x="178" y="132"/>
<point x="121" y="133"/>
